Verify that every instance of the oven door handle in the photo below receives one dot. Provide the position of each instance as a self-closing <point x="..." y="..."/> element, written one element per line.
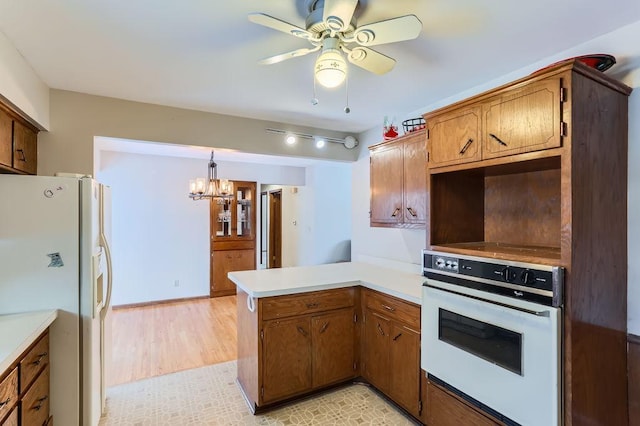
<point x="493" y="302"/>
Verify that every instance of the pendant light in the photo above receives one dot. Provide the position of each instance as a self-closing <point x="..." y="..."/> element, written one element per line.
<point x="212" y="187"/>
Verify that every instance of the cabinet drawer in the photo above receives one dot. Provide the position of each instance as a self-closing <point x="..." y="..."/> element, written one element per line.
<point x="307" y="303"/>
<point x="33" y="362"/>
<point x="12" y="420"/>
<point x="8" y="392"/>
<point x="394" y="308"/>
<point x="35" y="403"/>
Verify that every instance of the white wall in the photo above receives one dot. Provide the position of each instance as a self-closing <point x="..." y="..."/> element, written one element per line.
<point x="159" y="234"/>
<point x="404" y="245"/>
<point x="21" y="86"/>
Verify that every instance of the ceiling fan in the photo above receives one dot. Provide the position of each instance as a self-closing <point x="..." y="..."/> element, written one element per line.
<point x="331" y="26"/>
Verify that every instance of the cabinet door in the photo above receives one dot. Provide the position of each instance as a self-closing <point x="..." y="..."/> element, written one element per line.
<point x="454" y="137"/>
<point x="404" y="380"/>
<point x="25" y="152"/>
<point x="386" y="184"/>
<point x="224" y="261"/>
<point x="6" y="142"/>
<point x="234" y="219"/>
<point x="333" y="347"/>
<point x="415" y="180"/>
<point x="286" y="358"/>
<point x="376" y="350"/>
<point x="446" y="410"/>
<point x="523" y="121"/>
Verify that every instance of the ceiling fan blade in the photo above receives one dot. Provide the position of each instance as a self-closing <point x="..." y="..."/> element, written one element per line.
<point x="288" y="55"/>
<point x="371" y="60"/>
<point x="337" y="14"/>
<point x="401" y="28"/>
<point x="280" y="25"/>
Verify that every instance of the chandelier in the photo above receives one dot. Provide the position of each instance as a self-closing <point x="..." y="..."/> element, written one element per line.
<point x="212" y="187"/>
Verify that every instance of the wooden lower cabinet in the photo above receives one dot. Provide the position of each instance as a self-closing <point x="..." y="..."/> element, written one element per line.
<point x="24" y="388"/>
<point x="305" y="346"/>
<point x="446" y="409"/>
<point x="286" y="352"/>
<point x="391" y="349"/>
<point x="225" y="261"/>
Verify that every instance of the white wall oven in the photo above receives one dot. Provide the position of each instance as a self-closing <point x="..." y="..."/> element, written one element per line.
<point x="491" y="333"/>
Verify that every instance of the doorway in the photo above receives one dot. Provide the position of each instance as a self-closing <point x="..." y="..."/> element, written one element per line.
<point x="275" y="229"/>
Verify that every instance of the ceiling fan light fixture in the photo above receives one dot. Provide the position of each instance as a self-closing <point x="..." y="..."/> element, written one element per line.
<point x="331" y="68"/>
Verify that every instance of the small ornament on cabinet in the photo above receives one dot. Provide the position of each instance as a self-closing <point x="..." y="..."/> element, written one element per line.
<point x="389" y="129"/>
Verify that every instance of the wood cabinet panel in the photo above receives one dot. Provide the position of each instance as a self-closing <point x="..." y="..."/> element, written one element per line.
<point x="35" y="403"/>
<point x="333" y="348"/>
<point x="12" y="420"/>
<point x="33" y="362"/>
<point x="8" y="392"/>
<point x="404" y="380"/>
<point x="393" y="308"/>
<point x="307" y="303"/>
<point x="398" y="182"/>
<point x="25" y="152"/>
<point x="225" y="261"/>
<point x="415" y="197"/>
<point x="523" y="120"/>
<point x="447" y="410"/>
<point x="454" y="137"/>
<point x="634" y="380"/>
<point x="377" y="361"/>
<point x="386" y="184"/>
<point x="286" y="358"/>
<point x="6" y="139"/>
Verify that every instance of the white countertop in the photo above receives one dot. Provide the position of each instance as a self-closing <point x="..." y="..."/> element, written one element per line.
<point x="19" y="331"/>
<point x="302" y="279"/>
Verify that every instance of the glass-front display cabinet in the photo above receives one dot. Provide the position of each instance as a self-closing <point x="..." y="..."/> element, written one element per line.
<point x="234" y="218"/>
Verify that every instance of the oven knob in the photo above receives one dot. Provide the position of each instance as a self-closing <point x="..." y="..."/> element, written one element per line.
<point x="440" y="262"/>
<point x="528" y="277"/>
<point x="508" y="274"/>
<point x="454" y="265"/>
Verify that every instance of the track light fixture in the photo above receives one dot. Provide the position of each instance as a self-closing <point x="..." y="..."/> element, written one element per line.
<point x="349" y="142"/>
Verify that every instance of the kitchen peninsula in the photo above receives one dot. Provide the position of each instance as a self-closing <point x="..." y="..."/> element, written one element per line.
<point x="304" y="329"/>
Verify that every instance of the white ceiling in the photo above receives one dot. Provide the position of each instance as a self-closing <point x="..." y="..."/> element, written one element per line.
<point x="202" y="54"/>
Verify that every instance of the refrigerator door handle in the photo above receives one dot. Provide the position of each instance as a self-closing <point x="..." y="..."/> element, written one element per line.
<point x="107" y="251"/>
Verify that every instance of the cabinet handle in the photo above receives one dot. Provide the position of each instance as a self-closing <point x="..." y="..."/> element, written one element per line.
<point x="500" y="141"/>
<point x="466" y="146"/>
<point x="380" y="329"/>
<point x="40" y="401"/>
<point x="412" y="212"/>
<point x="388" y="308"/>
<point x="40" y="356"/>
<point x="324" y="327"/>
<point x="24" y="158"/>
<point x="301" y="331"/>
<point x="312" y="305"/>
<point x="3" y="403"/>
<point x="395" y="212"/>
<point x="396" y="338"/>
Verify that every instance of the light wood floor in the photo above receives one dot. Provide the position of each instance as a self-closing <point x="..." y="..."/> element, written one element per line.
<point x="164" y="338"/>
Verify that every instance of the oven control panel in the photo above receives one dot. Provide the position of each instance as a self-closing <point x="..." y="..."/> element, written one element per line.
<point x="515" y="279"/>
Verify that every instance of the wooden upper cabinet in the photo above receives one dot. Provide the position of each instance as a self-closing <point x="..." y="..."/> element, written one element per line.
<point x="513" y="121"/>
<point x="524" y="120"/>
<point x="25" y="152"/>
<point x="415" y="195"/>
<point x="386" y="184"/>
<point x="18" y="144"/>
<point x="6" y="139"/>
<point x="235" y="219"/>
<point x="454" y="137"/>
<point x="398" y="182"/>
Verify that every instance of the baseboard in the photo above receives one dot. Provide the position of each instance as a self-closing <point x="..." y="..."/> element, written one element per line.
<point x="157" y="302"/>
<point x="633" y="365"/>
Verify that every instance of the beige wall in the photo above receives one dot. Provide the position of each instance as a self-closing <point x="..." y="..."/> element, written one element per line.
<point x="76" y="118"/>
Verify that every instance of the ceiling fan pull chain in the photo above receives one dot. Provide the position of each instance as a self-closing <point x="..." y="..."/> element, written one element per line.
<point x="347" y="110"/>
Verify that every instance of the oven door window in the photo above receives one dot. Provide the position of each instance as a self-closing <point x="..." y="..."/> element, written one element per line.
<point x="492" y="343"/>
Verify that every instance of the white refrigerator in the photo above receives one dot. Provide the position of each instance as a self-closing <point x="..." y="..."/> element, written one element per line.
<point x="54" y="254"/>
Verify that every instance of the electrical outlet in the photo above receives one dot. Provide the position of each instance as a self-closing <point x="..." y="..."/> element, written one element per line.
<point x="176" y="283"/>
